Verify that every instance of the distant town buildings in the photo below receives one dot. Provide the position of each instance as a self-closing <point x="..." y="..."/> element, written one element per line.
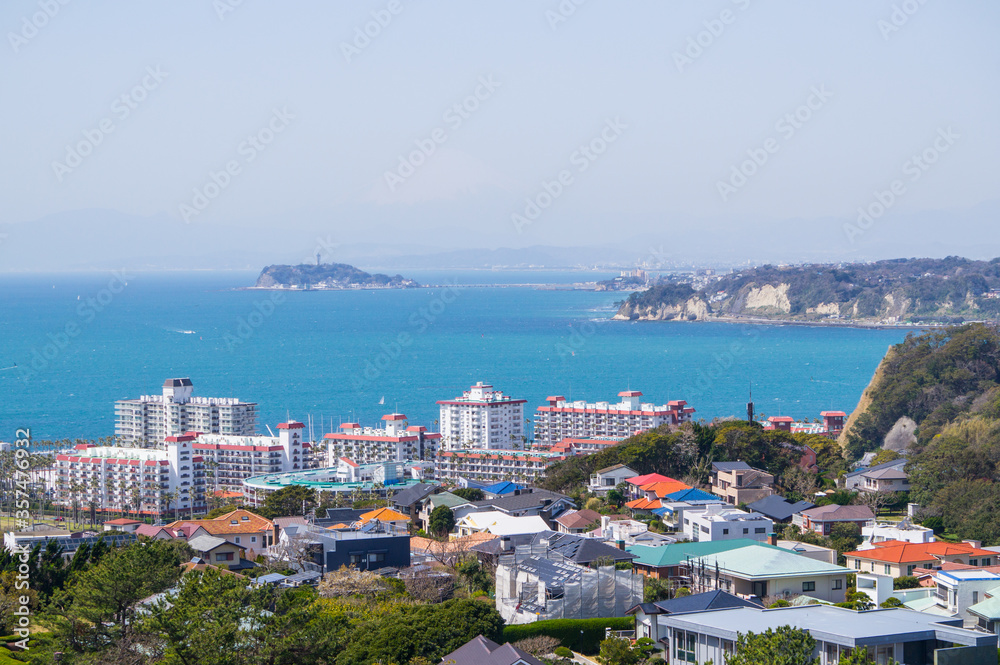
<point x="229" y="460"/>
<point x="396" y="441"/>
<point x="482" y="418"/>
<point x="584" y="420"/>
<point x="152" y="418"/>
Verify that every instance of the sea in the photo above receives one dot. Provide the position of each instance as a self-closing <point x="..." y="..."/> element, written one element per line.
<point x="72" y="344"/>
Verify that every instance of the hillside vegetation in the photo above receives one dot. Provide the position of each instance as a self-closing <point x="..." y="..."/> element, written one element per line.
<point x="948" y="382"/>
<point x="327" y="276"/>
<point x="952" y="290"/>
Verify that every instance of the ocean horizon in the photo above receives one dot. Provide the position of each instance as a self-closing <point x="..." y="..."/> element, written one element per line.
<point x="81" y="341"/>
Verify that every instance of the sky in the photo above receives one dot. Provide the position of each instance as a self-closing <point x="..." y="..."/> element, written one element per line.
<point x="235" y="131"/>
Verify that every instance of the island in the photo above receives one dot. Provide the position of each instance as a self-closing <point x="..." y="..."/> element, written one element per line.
<point x="327" y="277"/>
<point x="892" y="292"/>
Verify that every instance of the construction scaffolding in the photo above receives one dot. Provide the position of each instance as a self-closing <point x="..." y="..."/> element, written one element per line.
<point x="534" y="583"/>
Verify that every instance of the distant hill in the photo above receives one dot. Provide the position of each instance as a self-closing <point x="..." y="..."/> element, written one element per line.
<point x="328" y="276"/>
<point x="950" y="290"/>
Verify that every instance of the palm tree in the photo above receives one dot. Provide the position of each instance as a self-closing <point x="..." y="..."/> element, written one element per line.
<point x="136" y="496"/>
<point x="169" y="498"/>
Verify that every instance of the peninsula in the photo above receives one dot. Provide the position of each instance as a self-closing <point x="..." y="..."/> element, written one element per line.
<point x="328" y="277"/>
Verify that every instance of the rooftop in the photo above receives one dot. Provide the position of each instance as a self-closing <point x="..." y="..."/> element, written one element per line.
<point x="896" y="551"/>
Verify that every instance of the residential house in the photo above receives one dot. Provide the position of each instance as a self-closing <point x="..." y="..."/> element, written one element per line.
<point x="122" y="524"/>
<point x="909" y="637"/>
<point x="240" y="527"/>
<point x="822" y="518"/>
<point x="543" y="503"/>
<point x="501" y="488"/>
<point x="987" y="611"/>
<point x="904" y="531"/>
<point x="645" y="614"/>
<point x="898" y="558"/>
<point x="579" y="549"/>
<point x="817" y="552"/>
<point x="219" y="551"/>
<point x="670" y="562"/>
<point x="889" y="479"/>
<point x="459" y="506"/>
<point x="385" y="516"/>
<point x="622" y="532"/>
<point x="411" y="500"/>
<point x="636" y="482"/>
<point x="499" y="524"/>
<point x="372" y="546"/>
<point x="767" y="571"/>
<point x="604" y="480"/>
<point x="535" y="583"/>
<point x="715" y="522"/>
<point x="778" y="508"/>
<point x="738" y="482"/>
<point x="481" y="651"/>
<point x="577" y="521"/>
<point x="855" y="480"/>
<point x="958" y="590"/>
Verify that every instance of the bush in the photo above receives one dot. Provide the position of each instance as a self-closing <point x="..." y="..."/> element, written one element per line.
<point x="892" y="601"/>
<point x="563" y="652"/>
<point x="568" y="631"/>
<point x="905" y="582"/>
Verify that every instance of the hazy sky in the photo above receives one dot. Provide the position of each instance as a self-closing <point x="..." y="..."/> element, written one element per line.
<point x="129" y="107"/>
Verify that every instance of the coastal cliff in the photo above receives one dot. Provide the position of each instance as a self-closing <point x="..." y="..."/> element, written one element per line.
<point x="904" y="291"/>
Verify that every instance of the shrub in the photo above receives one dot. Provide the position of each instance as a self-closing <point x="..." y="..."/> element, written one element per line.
<point x="905" y="582"/>
<point x="583" y="635"/>
<point x="563" y="652"/>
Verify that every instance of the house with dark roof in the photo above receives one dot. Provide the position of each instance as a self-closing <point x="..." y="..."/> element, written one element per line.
<point x="604" y="480"/>
<point x="778" y="508"/>
<point x="481" y="651"/>
<point x="547" y="505"/>
<point x="856" y="480"/>
<point x="645" y="614"/>
<point x="822" y="518"/>
<point x="410" y="501"/>
<point x="580" y="549"/>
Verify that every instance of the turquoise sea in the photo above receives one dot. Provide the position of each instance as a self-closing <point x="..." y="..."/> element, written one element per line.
<point x="81" y="341"/>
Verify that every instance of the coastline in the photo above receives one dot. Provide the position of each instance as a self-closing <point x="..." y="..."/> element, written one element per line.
<point x="829" y="323"/>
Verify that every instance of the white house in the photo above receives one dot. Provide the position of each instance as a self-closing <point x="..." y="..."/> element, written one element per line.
<point x="903" y="531"/>
<point x="717" y="522"/>
<point x="500" y="524"/>
<point x="603" y="480"/>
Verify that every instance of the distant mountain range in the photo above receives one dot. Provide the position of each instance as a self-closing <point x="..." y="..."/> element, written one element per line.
<point x="949" y="290"/>
<point x="327" y="276"/>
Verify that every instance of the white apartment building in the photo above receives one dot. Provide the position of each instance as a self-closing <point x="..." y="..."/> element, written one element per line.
<point x="368" y="445"/>
<point x="582" y="420"/>
<point x="229" y="460"/>
<point x="493" y="466"/>
<point x="716" y="522"/>
<point x="152" y="418"/>
<point x="151" y="480"/>
<point x="482" y="418"/>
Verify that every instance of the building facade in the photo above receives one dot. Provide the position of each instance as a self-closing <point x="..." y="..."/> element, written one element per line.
<point x="151" y="481"/>
<point x="482" y="418"/>
<point x="152" y="418"/>
<point x="715" y="522"/>
<point x="494" y="465"/>
<point x="584" y="420"/>
<point x="396" y="441"/>
<point x="229" y="460"/>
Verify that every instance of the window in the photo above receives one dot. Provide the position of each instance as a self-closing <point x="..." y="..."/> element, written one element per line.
<point x="888" y="569"/>
<point x="224" y="556"/>
<point x="838" y="584"/>
<point x="909" y="569"/>
<point x="857" y="564"/>
<point x="376" y="557"/>
<point x="356" y="559"/>
<point x="808" y="586"/>
<point x="253" y="539"/>
<point x="725" y="532"/>
<point x="684" y="646"/>
<point x="237" y="540"/>
<point x="759" y="529"/>
<point x="746" y="530"/>
<point x="975" y="597"/>
<point x="973" y="562"/>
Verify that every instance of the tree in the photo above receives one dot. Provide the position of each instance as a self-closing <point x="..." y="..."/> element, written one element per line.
<point x="891" y="601"/>
<point x="441" y="521"/>
<point x="905" y="582"/>
<point x="878" y="499"/>
<point x="469" y="493"/>
<point x="618" y="651"/>
<point x="845" y="537"/>
<point x="860" y="656"/>
<point x="289" y="500"/>
<point x="783" y="646"/>
<point x="218" y="619"/>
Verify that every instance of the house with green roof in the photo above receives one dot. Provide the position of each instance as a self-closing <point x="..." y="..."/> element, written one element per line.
<point x="666" y="561"/>
<point x="453" y="501"/>
<point x="767" y="572"/>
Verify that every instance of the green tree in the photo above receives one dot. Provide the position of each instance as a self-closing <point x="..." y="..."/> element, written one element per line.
<point x="469" y="493"/>
<point x="618" y="651"/>
<point x="860" y="656"/>
<point x="905" y="582"/>
<point x="783" y="646"/>
<point x="218" y="619"/>
<point x="288" y="501"/>
<point x="441" y="521"/>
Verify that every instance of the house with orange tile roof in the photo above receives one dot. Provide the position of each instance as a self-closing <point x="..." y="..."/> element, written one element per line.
<point x="386" y="516"/>
<point x="898" y="558"/>
<point x="239" y="527"/>
<point x="636" y="482"/>
<point x="643" y="505"/>
<point x="661" y="489"/>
